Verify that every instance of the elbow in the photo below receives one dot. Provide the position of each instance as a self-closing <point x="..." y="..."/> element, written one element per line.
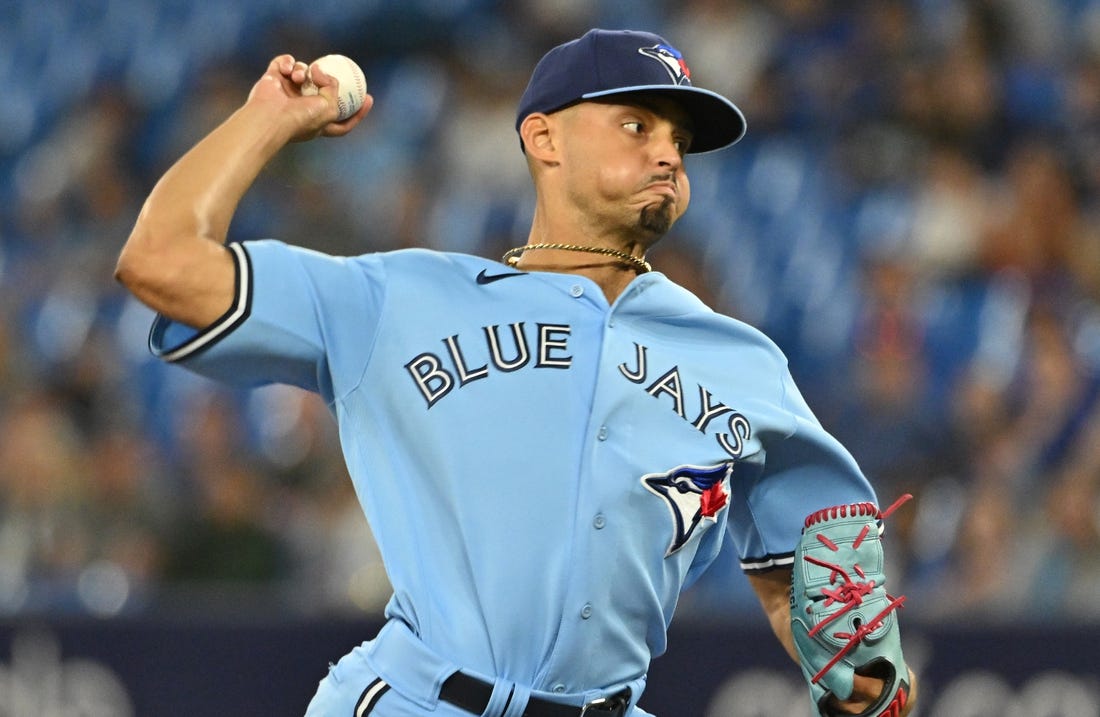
<point x="186" y="278"/>
<point x="155" y="243"/>
<point x="144" y="268"/>
<point x="124" y="269"/>
<point x="134" y="267"/>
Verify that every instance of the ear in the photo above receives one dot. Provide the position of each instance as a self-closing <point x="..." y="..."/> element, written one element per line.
<point x="537" y="132"/>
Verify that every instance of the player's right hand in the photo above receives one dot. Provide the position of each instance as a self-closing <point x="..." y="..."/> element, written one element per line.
<point x="309" y="116"/>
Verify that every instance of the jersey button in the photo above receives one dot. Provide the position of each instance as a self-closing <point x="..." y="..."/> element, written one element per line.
<point x="602" y="433"/>
<point x="558" y="688"/>
<point x="576" y="291"/>
<point x="586" y="611"/>
<point x="599" y="522"/>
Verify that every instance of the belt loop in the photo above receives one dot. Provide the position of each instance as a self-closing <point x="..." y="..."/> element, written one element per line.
<point x="518" y="703"/>
<point x="637" y="687"/>
<point x="502" y="693"/>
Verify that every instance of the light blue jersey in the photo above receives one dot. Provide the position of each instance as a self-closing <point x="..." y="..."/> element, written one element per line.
<point x="544" y="473"/>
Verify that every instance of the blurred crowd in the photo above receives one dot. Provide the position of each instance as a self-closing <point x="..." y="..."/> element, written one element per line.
<point x="913" y="217"/>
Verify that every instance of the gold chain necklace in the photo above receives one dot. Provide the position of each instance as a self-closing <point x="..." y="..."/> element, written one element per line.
<point x="511" y="257"/>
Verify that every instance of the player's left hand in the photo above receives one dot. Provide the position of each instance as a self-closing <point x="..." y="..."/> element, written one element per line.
<point x="866" y="691"/>
<point x="843" y="621"/>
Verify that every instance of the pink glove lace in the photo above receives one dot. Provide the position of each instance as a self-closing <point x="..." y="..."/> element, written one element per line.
<point x="850" y="592"/>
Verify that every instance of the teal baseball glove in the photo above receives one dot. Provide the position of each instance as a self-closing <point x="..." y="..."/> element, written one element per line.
<point x="843" y="620"/>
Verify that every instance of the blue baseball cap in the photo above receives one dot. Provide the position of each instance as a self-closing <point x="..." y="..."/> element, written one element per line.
<point x="604" y="63"/>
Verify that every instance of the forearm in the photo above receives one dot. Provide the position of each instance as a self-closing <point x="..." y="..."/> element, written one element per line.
<point x="173" y="260"/>
<point x="773" y="589"/>
<point x="197" y="197"/>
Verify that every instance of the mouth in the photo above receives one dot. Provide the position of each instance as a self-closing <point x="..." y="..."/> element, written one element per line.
<point x="663" y="185"/>
<point x="664" y="188"/>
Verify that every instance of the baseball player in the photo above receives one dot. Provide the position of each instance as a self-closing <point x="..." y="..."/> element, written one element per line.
<point x="548" y="448"/>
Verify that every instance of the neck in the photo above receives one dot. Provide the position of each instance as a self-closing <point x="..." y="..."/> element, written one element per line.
<point x="638" y="263"/>
<point x="611" y="269"/>
<point x="610" y="260"/>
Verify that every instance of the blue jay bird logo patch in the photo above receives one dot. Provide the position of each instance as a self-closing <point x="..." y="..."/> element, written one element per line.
<point x="673" y="61"/>
<point x="693" y="494"/>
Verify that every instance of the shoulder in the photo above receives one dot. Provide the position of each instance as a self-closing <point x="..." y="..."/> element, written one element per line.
<point x="429" y="267"/>
<point x="433" y="260"/>
<point x="422" y="264"/>
<point x="672" y="304"/>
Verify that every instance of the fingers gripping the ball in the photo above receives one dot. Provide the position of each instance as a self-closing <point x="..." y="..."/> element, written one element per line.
<point x="342" y="74"/>
<point x="312" y="99"/>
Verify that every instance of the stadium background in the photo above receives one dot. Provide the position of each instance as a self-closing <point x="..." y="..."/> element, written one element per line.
<point x="913" y="217"/>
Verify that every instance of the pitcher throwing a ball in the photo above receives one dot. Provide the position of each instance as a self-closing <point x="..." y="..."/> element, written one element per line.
<point x="548" y="448"/>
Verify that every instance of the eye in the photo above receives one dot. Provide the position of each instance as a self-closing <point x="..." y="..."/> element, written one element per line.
<point x="682" y="137"/>
<point x="634" y="126"/>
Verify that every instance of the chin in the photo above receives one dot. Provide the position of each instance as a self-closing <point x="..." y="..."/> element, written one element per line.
<point x="657" y="219"/>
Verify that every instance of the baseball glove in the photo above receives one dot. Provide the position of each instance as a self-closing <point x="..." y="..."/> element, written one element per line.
<point x="843" y="620"/>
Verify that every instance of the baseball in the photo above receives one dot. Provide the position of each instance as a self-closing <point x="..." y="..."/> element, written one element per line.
<point x="353" y="84"/>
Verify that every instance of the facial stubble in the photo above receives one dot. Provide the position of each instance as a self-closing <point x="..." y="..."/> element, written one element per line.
<point x="656" y="219"/>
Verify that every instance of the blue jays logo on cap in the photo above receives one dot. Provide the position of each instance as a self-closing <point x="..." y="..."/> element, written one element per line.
<point x="693" y="494"/>
<point x="608" y="63"/>
<point x="672" y="59"/>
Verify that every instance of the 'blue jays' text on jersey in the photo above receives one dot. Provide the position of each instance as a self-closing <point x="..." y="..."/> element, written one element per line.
<point x="543" y="472"/>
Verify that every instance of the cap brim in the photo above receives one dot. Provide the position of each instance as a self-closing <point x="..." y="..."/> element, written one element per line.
<point x="718" y="123"/>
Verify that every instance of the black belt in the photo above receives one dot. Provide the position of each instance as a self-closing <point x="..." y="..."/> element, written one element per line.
<point x="473" y="695"/>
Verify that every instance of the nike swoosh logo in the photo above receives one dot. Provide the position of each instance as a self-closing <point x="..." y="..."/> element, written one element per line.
<point x="483" y="278"/>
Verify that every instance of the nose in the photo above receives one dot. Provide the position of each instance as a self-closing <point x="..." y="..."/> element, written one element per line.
<point x="667" y="150"/>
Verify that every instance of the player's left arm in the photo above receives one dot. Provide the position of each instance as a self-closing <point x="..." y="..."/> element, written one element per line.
<point x="773" y="589"/>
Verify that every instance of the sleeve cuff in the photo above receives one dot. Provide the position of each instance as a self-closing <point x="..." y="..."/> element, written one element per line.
<point x="766" y="563"/>
<point x="171" y="341"/>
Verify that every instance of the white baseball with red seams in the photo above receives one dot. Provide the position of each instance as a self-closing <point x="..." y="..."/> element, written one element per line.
<point x="352" y="82"/>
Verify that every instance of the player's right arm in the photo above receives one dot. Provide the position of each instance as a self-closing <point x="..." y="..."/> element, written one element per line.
<point x="175" y="260"/>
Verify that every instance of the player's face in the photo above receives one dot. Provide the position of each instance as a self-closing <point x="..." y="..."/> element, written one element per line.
<point x="625" y="160"/>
